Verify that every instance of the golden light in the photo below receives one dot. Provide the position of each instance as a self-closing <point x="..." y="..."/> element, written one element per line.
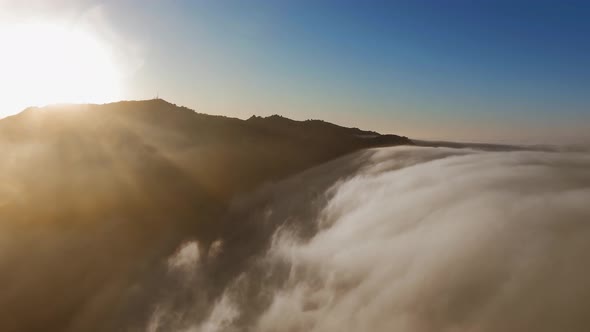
<point x="48" y="63"/>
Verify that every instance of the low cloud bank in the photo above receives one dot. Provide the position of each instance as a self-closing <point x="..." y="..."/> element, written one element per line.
<point x="402" y="239"/>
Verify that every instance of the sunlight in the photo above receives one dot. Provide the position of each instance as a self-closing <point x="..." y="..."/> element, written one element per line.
<point x="47" y="63"/>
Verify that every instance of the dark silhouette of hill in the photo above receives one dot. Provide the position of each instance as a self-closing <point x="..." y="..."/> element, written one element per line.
<point x="93" y="196"/>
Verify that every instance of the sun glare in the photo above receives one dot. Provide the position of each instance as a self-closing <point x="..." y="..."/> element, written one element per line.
<point x="45" y="63"/>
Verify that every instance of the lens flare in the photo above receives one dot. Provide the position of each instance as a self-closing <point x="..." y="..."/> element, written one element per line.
<point x="47" y="63"/>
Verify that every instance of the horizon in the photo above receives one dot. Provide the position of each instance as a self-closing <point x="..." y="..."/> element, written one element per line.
<point x="415" y="139"/>
<point x="508" y="72"/>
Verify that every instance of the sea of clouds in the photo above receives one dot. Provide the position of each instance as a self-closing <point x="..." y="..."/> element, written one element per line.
<point x="398" y="239"/>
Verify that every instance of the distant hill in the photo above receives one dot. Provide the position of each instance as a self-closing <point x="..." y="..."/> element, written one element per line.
<point x="93" y="195"/>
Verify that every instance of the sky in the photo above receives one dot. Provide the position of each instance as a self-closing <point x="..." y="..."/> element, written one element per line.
<point x="493" y="71"/>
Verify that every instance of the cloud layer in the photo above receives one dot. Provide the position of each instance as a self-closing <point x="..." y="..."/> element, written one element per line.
<point x="411" y="239"/>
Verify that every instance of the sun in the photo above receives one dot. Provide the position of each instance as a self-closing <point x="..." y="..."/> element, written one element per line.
<point x="48" y="63"/>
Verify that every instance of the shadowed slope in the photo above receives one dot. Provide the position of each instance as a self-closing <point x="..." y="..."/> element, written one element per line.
<point x="92" y="195"/>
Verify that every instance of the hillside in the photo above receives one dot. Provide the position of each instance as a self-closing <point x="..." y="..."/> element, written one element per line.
<point x="93" y="195"/>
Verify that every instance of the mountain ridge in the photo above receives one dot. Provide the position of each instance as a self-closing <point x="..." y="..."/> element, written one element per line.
<point x="119" y="186"/>
<point x="160" y="125"/>
<point x="171" y="106"/>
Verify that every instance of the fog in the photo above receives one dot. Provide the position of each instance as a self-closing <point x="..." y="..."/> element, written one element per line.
<point x="396" y="239"/>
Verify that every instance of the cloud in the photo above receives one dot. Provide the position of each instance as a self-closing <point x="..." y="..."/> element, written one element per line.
<point x="418" y="239"/>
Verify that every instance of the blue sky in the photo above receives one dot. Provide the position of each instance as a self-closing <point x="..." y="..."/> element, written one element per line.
<point x="514" y="71"/>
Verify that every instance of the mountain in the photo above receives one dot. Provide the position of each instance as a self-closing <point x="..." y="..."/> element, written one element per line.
<point x="93" y="196"/>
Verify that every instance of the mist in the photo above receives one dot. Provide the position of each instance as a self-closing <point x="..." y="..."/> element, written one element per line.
<point x="403" y="238"/>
